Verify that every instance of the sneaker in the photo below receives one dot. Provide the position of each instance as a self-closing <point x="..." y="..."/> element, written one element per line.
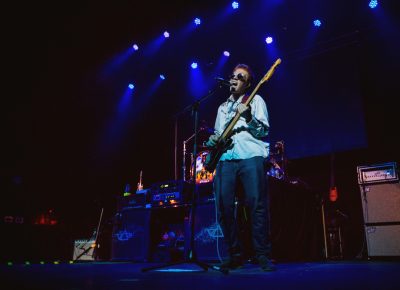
<point x="266" y="264"/>
<point x="232" y="263"/>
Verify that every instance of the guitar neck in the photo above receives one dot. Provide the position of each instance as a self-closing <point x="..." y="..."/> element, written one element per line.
<point x="140" y="185"/>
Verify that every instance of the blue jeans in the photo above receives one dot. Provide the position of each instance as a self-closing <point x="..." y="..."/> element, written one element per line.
<point x="251" y="173"/>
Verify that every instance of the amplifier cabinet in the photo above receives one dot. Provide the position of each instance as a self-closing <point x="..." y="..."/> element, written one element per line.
<point x="131" y="235"/>
<point x="208" y="237"/>
<point x="381" y="202"/>
<point x="383" y="240"/>
<point x="381" y="212"/>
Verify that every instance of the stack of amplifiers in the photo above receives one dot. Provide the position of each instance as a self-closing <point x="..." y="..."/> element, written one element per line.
<point x="380" y="197"/>
<point x="131" y="227"/>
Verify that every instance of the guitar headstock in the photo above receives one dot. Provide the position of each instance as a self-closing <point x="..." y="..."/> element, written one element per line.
<point x="271" y="71"/>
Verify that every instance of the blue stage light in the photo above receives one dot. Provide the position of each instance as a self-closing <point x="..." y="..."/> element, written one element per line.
<point x="373" y="3"/>
<point x="197" y="21"/>
<point x="269" y="40"/>
<point x="235" y="5"/>
<point x="166" y="34"/>
<point x="194" y="65"/>
<point x="162" y="77"/>
<point x="135" y="46"/>
<point x="131" y="86"/>
<point x="317" y="23"/>
<point x="226" y="53"/>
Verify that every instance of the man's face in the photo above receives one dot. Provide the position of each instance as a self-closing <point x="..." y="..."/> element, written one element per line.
<point x="239" y="81"/>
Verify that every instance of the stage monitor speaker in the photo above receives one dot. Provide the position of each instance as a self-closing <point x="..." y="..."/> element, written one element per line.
<point x="381" y="202"/>
<point x="208" y="236"/>
<point x="383" y="240"/>
<point x="131" y="235"/>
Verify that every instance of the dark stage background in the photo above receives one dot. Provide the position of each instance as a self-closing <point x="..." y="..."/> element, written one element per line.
<point x="73" y="138"/>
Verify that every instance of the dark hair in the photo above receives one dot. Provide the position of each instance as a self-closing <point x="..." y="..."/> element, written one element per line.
<point x="246" y="68"/>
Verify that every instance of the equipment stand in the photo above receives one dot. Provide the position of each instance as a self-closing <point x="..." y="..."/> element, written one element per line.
<point x="191" y="256"/>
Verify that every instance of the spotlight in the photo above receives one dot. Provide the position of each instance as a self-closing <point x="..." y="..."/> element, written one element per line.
<point x="269" y="40"/>
<point x="162" y="77"/>
<point x="226" y="53"/>
<point x="373" y="3"/>
<point x="197" y="21"/>
<point x="235" y="5"/>
<point x="317" y="23"/>
<point x="135" y="47"/>
<point x="131" y="86"/>
<point x="194" y="65"/>
<point x="166" y="34"/>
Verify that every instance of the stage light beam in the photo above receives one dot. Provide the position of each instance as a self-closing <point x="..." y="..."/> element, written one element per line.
<point x="235" y="5"/>
<point x="197" y="21"/>
<point x="162" y="76"/>
<point x="166" y="34"/>
<point x="194" y="65"/>
<point x="135" y="47"/>
<point x="226" y="53"/>
<point x="269" y="39"/>
<point x="131" y="86"/>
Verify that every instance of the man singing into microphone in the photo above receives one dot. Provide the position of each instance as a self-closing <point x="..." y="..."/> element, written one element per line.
<point x="244" y="162"/>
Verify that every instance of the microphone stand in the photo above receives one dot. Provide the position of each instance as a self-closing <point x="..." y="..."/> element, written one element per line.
<point x="184" y="158"/>
<point x="190" y="254"/>
<point x="184" y="153"/>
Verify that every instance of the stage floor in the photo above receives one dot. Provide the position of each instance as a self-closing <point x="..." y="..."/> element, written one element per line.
<point x="110" y="275"/>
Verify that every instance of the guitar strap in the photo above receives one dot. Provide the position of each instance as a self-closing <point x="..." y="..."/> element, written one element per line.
<point x="245" y="98"/>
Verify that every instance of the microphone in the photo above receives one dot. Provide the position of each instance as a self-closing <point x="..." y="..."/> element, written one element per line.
<point x="222" y="81"/>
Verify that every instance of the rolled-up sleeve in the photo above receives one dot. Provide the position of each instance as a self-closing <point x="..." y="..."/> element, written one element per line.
<point x="259" y="124"/>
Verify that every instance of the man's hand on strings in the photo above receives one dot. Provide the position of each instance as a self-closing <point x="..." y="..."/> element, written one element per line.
<point x="212" y="141"/>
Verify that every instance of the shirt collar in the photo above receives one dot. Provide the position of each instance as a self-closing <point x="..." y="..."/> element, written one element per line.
<point x="232" y="99"/>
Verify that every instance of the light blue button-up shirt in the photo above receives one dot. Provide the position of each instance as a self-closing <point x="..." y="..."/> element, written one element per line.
<point x="248" y="139"/>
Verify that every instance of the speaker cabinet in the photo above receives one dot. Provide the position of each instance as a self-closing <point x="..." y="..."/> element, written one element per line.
<point x="381" y="210"/>
<point x="208" y="236"/>
<point x="383" y="240"/>
<point x="131" y="235"/>
<point x="381" y="202"/>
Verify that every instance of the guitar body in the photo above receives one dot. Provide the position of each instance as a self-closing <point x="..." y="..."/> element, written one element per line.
<point x="215" y="154"/>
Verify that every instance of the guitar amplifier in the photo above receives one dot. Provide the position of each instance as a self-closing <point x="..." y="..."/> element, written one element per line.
<point x="378" y="173"/>
<point x="136" y="200"/>
<point x="84" y="250"/>
<point x="176" y="192"/>
<point x="168" y="193"/>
